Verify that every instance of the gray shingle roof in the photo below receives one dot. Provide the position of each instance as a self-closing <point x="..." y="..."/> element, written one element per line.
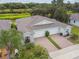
<point x="27" y="24"/>
<point x="5" y="24"/>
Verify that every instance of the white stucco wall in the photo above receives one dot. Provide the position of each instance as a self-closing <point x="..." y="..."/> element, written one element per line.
<point x="55" y="30"/>
<point x="76" y="22"/>
<point x="41" y="32"/>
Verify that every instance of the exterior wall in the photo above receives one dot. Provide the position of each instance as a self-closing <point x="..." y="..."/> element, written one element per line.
<point x="69" y="28"/>
<point x="55" y="30"/>
<point x="41" y="32"/>
<point x="74" y="23"/>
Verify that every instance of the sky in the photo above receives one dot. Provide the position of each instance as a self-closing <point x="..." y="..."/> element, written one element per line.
<point x="36" y="1"/>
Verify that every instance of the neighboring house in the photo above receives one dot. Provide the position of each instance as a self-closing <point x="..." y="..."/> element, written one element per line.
<point x="36" y="26"/>
<point x="74" y="19"/>
<point x="5" y="24"/>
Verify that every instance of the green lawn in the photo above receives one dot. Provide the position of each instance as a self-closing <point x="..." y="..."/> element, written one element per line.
<point x="71" y="12"/>
<point x="74" y="39"/>
<point x="14" y="16"/>
<point x="75" y="30"/>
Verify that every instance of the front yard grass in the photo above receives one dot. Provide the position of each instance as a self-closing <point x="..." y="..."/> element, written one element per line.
<point x="54" y="43"/>
<point x="75" y="35"/>
<point x="74" y="41"/>
<point x="75" y="30"/>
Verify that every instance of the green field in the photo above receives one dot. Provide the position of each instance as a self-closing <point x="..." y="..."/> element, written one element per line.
<point x="14" y="16"/>
<point x="71" y="12"/>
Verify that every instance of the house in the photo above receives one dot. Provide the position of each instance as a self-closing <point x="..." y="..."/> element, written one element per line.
<point x="36" y="26"/>
<point x="5" y="24"/>
<point x="74" y="19"/>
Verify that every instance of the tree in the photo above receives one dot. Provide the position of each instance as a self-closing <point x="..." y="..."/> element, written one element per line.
<point x="11" y="40"/>
<point x="60" y="2"/>
<point x="68" y="6"/>
<point x="61" y="15"/>
<point x="4" y="41"/>
<point x="57" y="2"/>
<point x="76" y="5"/>
<point x="54" y="2"/>
<point x="40" y="11"/>
<point x="2" y="6"/>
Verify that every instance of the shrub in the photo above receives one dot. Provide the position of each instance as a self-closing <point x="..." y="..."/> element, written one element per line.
<point x="29" y="45"/>
<point x="47" y="33"/>
<point x="40" y="52"/>
<point x="36" y="52"/>
<point x="13" y="26"/>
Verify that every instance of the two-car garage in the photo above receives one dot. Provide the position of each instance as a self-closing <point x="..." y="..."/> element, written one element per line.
<point x="41" y="32"/>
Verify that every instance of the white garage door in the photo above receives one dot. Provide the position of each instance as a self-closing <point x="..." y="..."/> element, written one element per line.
<point x="41" y="32"/>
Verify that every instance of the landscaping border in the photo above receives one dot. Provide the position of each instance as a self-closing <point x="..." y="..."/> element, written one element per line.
<point x="55" y="44"/>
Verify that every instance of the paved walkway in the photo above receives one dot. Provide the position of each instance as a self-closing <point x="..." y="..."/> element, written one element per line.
<point x="44" y="42"/>
<point x="61" y="41"/>
<point x="71" y="52"/>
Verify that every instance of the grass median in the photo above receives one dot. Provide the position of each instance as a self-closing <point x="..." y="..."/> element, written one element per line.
<point x="54" y="43"/>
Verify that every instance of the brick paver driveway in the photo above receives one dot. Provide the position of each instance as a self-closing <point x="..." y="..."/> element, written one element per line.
<point x="44" y="42"/>
<point x="61" y="41"/>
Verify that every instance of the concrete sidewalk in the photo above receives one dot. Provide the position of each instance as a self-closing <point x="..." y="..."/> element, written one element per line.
<point x="71" y="52"/>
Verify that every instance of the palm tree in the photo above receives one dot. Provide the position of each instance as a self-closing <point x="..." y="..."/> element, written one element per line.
<point x="10" y="39"/>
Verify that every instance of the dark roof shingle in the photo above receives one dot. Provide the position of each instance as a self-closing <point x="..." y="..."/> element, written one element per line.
<point x="26" y="24"/>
